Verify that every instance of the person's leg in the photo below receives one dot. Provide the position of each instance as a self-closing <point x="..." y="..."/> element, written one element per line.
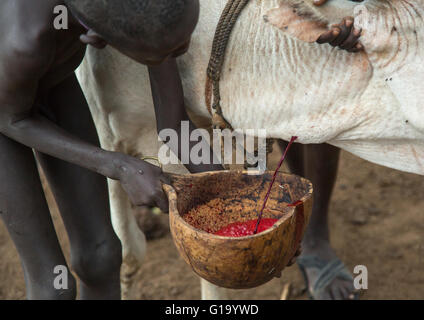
<point x="319" y="164"/>
<point x="295" y="158"/>
<point x="82" y="197"/>
<point x="24" y="210"/>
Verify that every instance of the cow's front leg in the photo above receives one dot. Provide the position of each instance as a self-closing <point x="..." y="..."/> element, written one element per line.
<point x="132" y="238"/>
<point x="212" y="292"/>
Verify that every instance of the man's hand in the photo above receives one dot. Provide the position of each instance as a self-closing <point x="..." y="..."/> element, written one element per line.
<point x="343" y="35"/>
<point x="143" y="182"/>
<point x="319" y="2"/>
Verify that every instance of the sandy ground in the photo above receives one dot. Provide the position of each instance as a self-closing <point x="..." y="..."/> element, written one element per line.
<point x="376" y="220"/>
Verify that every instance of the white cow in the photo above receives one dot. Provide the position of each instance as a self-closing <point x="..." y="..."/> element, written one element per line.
<point x="369" y="104"/>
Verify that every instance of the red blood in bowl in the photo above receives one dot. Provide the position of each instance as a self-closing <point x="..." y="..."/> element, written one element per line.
<point x="247" y="228"/>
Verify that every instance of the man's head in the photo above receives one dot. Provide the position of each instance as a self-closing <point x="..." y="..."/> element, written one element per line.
<point x="148" y="31"/>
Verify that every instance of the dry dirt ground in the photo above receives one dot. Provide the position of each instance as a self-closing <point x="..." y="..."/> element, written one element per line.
<point x="376" y="220"/>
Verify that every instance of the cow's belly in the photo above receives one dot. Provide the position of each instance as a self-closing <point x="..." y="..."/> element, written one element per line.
<point x="269" y="82"/>
<point x="317" y="93"/>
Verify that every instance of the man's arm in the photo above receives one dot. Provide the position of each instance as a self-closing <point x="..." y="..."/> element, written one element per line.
<point x="39" y="133"/>
<point x="18" y="121"/>
<point x="168" y="98"/>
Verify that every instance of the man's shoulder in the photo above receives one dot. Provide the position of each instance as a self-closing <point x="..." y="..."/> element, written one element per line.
<point x="28" y="53"/>
<point x="28" y="40"/>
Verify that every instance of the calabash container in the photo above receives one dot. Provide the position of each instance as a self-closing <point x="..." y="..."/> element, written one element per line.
<point x="245" y="262"/>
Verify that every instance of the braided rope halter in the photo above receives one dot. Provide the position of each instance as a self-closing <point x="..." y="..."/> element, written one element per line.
<point x="225" y="26"/>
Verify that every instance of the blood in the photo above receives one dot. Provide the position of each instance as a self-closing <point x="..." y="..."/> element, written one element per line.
<point x="300" y="222"/>
<point x="241" y="229"/>
<point x="293" y="139"/>
<point x="295" y="204"/>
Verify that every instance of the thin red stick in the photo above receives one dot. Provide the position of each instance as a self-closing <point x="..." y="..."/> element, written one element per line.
<point x="293" y="139"/>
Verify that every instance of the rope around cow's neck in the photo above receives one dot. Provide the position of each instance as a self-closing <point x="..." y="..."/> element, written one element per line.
<point x="225" y="26"/>
<point x="223" y="31"/>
